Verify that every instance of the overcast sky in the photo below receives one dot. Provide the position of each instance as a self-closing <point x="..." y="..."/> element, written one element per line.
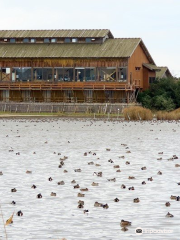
<point x="157" y="22"/>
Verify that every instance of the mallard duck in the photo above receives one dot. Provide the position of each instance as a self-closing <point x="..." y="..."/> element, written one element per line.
<point x="143" y="168"/>
<point x="53" y="194"/>
<point x="159" y="173"/>
<point x="80" y="195"/>
<point x="39" y="195"/>
<point x="105" y="206"/>
<point x="29" y="172"/>
<point x="131" y="188"/>
<point x="123" y="186"/>
<point x="77" y="170"/>
<point x="169" y="215"/>
<point x="73" y="181"/>
<point x="77" y="186"/>
<point x="150" y="179"/>
<point x="80" y="205"/>
<point x="13" y="203"/>
<point x="178" y="198"/>
<point x="125" y="223"/>
<point x="118" y="170"/>
<point x="84" y="189"/>
<point x="116" y="200"/>
<point x="122" y="157"/>
<point x="127" y="163"/>
<point x="131" y="177"/>
<point x="65" y="171"/>
<point x="177" y="165"/>
<point x="143" y="183"/>
<point x="112" y="180"/>
<point x="61" y="183"/>
<point x="136" y="200"/>
<point x="175" y="157"/>
<point x="96" y="204"/>
<point x="159" y="158"/>
<point x="160" y="152"/>
<point x="33" y="186"/>
<point x="97" y="165"/>
<point x="19" y="213"/>
<point x="99" y="174"/>
<point x="128" y="152"/>
<point x="13" y="190"/>
<point x="85" y="154"/>
<point x="81" y="202"/>
<point x="173" y="197"/>
<point x="95" y="184"/>
<point x="116" y="166"/>
<point x="1" y="173"/>
<point x="110" y="160"/>
<point x="50" y="179"/>
<point x="167" y="204"/>
<point x="108" y="149"/>
<point x="90" y="163"/>
<point x="86" y="211"/>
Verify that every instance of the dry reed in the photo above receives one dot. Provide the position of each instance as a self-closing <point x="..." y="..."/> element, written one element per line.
<point x="137" y="113"/>
<point x="173" y="115"/>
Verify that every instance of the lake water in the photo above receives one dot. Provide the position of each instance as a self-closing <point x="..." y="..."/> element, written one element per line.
<point x="40" y="140"/>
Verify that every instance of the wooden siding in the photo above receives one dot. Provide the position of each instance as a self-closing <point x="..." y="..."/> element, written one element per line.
<point x="136" y="60"/>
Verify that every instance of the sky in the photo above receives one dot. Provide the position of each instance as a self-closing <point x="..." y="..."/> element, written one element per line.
<point x="157" y="22"/>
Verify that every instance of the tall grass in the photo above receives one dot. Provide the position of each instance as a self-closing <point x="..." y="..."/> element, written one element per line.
<point x="137" y="113"/>
<point x="173" y="115"/>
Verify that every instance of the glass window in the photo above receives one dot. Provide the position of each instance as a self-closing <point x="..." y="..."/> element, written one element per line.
<point x="90" y="74"/>
<point x="151" y="80"/>
<point x="25" y="40"/>
<point x="46" y="40"/>
<point x="74" y="40"/>
<point x="37" y="73"/>
<point x="80" y="74"/>
<point x="54" y="40"/>
<point x="68" y="74"/>
<point x="88" y="40"/>
<point x="107" y="74"/>
<point x="47" y="74"/>
<point x="12" y="40"/>
<point x="122" y="74"/>
<point x="67" y="40"/>
<point x="33" y="40"/>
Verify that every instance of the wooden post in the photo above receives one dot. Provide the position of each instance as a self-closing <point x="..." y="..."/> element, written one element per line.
<point x="32" y="77"/>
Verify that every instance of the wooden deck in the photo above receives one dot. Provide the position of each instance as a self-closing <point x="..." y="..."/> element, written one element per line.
<point x="68" y="86"/>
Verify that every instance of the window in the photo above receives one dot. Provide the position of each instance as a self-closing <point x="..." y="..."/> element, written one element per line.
<point x="122" y="74"/>
<point x="25" y="40"/>
<point x="151" y="80"/>
<point x="74" y="40"/>
<point x="137" y="68"/>
<point x="33" y="40"/>
<point x="88" y="40"/>
<point x="67" y="40"/>
<point x="54" y="40"/>
<point x="12" y="40"/>
<point x="46" y="40"/>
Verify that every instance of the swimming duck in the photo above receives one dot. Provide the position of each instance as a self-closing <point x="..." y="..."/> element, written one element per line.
<point x="169" y="215"/>
<point x="112" y="180"/>
<point x="116" y="166"/>
<point x="125" y="223"/>
<point x="167" y="204"/>
<point x="97" y="204"/>
<point x="118" y="170"/>
<point x="13" y="190"/>
<point x="99" y="174"/>
<point x="159" y="158"/>
<point x="84" y="189"/>
<point x="80" y="195"/>
<point x="178" y="183"/>
<point x="108" y="149"/>
<point x="33" y="186"/>
<point x="29" y="172"/>
<point x="80" y="205"/>
<point x="159" y="173"/>
<point x="143" y="183"/>
<point x="150" y="179"/>
<point x="90" y="163"/>
<point x="77" y="186"/>
<point x="95" y="184"/>
<point x="97" y="165"/>
<point x="110" y="160"/>
<point x="85" y="154"/>
<point x="123" y="186"/>
<point x="61" y="183"/>
<point x="19" y="213"/>
<point x="50" y="179"/>
<point x="39" y="195"/>
<point x="173" y="197"/>
<point x="128" y="152"/>
<point x="131" y="188"/>
<point x="127" y="163"/>
<point x="178" y="198"/>
<point x="81" y="202"/>
<point x="65" y="171"/>
<point x="1" y="173"/>
<point x="116" y="200"/>
<point x="177" y="165"/>
<point x="86" y="211"/>
<point x="13" y="202"/>
<point x="143" y="168"/>
<point x="73" y="181"/>
<point x="160" y="152"/>
<point x="77" y="170"/>
<point x="136" y="200"/>
<point x="105" y="206"/>
<point x="53" y="194"/>
<point x="131" y="177"/>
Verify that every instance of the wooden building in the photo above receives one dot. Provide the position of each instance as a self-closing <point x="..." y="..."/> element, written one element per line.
<point x="72" y="66"/>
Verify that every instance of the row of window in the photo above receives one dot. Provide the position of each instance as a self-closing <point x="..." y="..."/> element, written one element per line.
<point x="50" y="40"/>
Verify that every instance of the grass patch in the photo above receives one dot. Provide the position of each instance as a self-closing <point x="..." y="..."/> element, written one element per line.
<point x="137" y="113"/>
<point x="173" y="115"/>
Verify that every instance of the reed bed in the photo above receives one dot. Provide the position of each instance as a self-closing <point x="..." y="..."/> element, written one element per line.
<point x="173" y="115"/>
<point x="137" y="113"/>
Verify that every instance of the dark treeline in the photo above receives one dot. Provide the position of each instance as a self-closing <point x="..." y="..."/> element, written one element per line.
<point x="163" y="94"/>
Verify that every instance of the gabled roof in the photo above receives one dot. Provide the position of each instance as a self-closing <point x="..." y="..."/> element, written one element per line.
<point x="163" y="71"/>
<point x="111" y="48"/>
<point x="151" y="67"/>
<point x="71" y="33"/>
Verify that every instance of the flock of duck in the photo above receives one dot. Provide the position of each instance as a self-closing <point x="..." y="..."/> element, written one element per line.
<point x="124" y="224"/>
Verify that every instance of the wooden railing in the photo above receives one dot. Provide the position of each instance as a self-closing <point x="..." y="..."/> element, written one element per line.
<point x="67" y="86"/>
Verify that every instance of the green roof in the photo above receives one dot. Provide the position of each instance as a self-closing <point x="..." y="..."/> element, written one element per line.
<point x="162" y="72"/>
<point x="151" y="67"/>
<point x="71" y="33"/>
<point x="112" y="48"/>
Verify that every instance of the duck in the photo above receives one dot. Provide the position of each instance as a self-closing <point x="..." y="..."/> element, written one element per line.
<point x="39" y="195"/>
<point x="131" y="188"/>
<point x="124" y="223"/>
<point x="85" y="154"/>
<point x="160" y="152"/>
<point x="116" y="200"/>
<point x="108" y="149"/>
<point x="99" y="174"/>
<point x="61" y="183"/>
<point x="80" y="195"/>
<point x="178" y="183"/>
<point x="97" y="165"/>
<point x="84" y="189"/>
<point x="159" y="158"/>
<point x="169" y="215"/>
<point x="50" y="179"/>
<point x="112" y="180"/>
<point x="110" y="160"/>
<point x="136" y="200"/>
<point x="97" y="204"/>
<point x="131" y="177"/>
<point x="1" y="173"/>
<point x="19" y="213"/>
<point x="77" y="186"/>
<point x="13" y="203"/>
<point x="13" y="190"/>
<point x="124" y="229"/>
<point x="150" y="179"/>
<point x="77" y="170"/>
<point x="90" y="163"/>
<point x="173" y="197"/>
<point x="178" y="198"/>
<point x="80" y="205"/>
<point x="167" y="204"/>
<point x="95" y="184"/>
<point x="73" y="181"/>
<point x="143" y="182"/>
<point x="116" y="166"/>
<point x="53" y="194"/>
<point x="118" y="170"/>
<point x="128" y="152"/>
<point x="127" y="163"/>
<point x="122" y="157"/>
<point x="33" y="186"/>
<point x="65" y="171"/>
<point x="159" y="173"/>
<point x="86" y="211"/>
<point x="143" y="168"/>
<point x="105" y="206"/>
<point x="177" y="165"/>
<point x="123" y="186"/>
<point x="81" y="202"/>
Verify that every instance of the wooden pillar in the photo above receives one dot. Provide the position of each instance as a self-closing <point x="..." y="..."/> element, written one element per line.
<point x="32" y="77"/>
<point x="74" y="72"/>
<point x="10" y="74"/>
<point x="53" y="74"/>
<point x="116" y="74"/>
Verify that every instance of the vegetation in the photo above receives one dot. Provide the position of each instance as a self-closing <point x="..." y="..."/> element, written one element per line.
<point x="137" y="113"/>
<point x="163" y="94"/>
<point x="173" y="115"/>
